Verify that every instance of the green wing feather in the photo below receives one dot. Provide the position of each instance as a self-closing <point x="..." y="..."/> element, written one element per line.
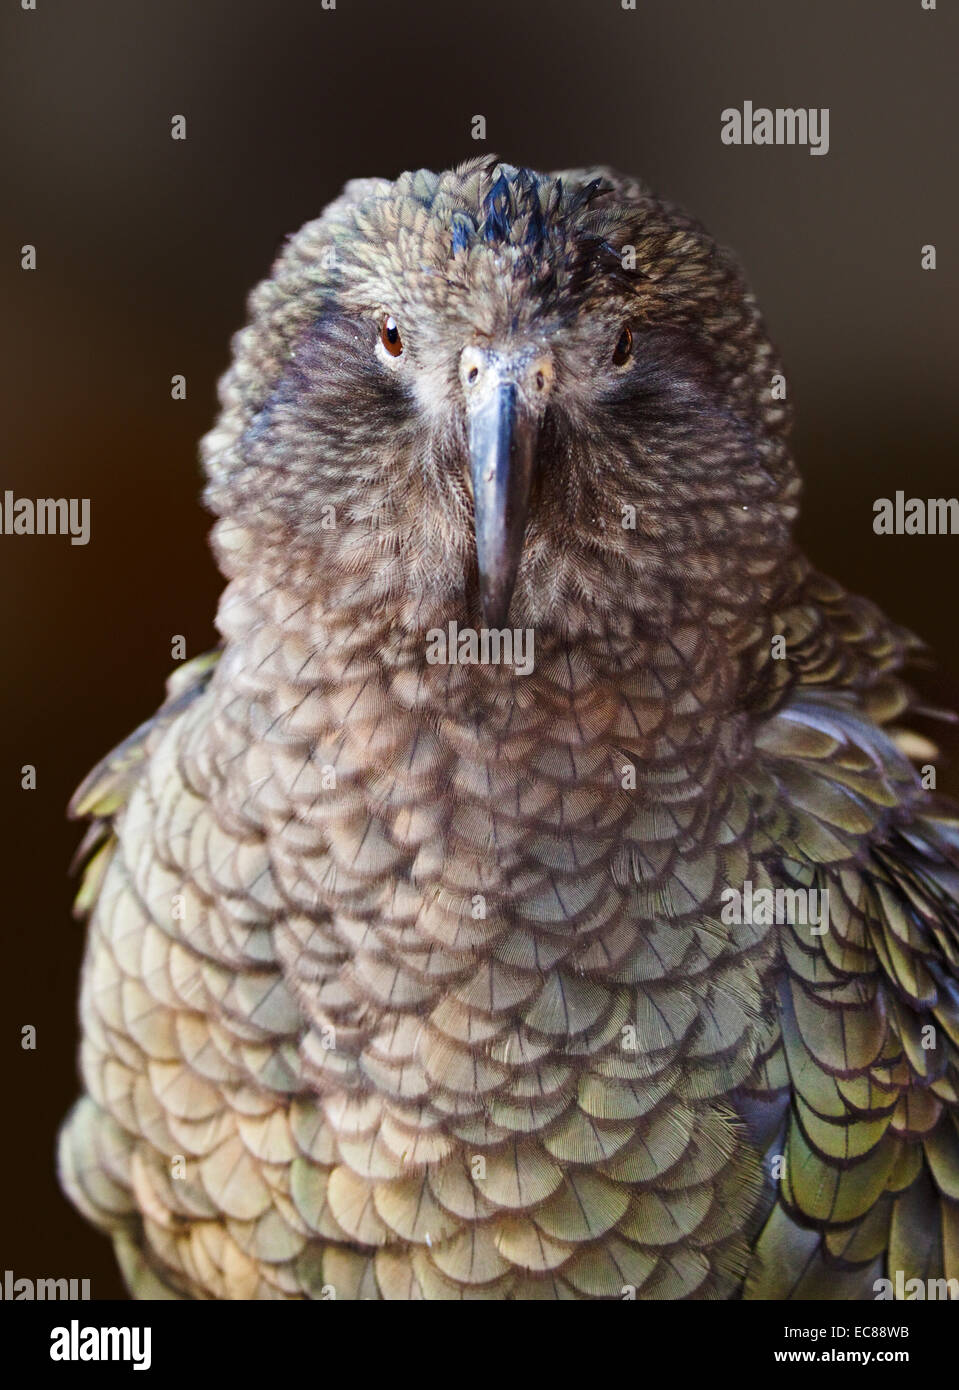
<point x="107" y="786"/>
<point x="868" y="1012"/>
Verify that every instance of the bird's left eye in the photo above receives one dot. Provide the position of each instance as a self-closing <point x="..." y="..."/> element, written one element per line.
<point x="390" y="336"/>
<point x="624" y="347"/>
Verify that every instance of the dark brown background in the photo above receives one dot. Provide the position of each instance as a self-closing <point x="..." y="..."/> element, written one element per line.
<point x="147" y="247"/>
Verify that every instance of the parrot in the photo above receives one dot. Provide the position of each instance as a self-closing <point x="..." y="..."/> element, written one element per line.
<point x="414" y="971"/>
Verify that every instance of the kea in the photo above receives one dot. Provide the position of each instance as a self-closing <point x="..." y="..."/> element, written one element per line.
<point x="416" y="971"/>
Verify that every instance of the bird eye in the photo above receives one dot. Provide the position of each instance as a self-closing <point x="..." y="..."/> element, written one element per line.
<point x="624" y="347"/>
<point x="390" y="336"/>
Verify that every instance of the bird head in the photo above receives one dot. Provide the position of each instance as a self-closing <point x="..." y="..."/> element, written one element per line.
<point x="498" y="395"/>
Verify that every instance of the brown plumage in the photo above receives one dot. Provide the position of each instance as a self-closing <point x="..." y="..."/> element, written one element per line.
<point x="412" y="980"/>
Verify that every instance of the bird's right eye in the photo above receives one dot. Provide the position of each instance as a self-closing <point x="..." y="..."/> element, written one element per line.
<point x="390" y="336"/>
<point x="624" y="347"/>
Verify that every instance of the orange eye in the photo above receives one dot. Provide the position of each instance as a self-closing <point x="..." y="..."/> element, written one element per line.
<point x="390" y="336"/>
<point x="624" y="347"/>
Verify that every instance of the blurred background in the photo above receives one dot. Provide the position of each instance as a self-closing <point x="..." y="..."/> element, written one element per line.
<point x="146" y="248"/>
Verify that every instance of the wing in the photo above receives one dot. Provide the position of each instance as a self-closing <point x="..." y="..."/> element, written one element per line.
<point x="856" y="1101"/>
<point x="107" y="787"/>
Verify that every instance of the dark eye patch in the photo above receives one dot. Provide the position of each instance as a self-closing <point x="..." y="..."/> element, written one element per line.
<point x="334" y="391"/>
<point x="673" y="388"/>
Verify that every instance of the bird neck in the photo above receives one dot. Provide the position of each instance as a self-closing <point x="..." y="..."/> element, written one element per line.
<point x="595" y="730"/>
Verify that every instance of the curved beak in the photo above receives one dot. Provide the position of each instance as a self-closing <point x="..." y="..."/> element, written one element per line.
<point x="503" y="431"/>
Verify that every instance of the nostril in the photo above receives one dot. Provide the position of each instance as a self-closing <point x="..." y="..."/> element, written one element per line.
<point x="472" y="374"/>
<point x="540" y="381"/>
